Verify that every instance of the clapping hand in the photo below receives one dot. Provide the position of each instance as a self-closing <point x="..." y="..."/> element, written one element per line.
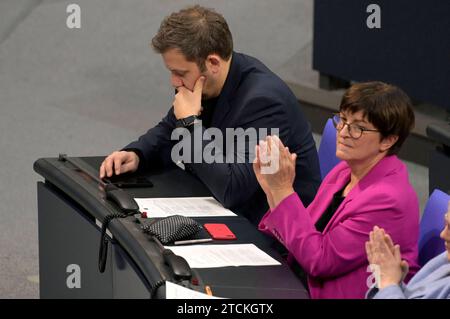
<point x="386" y="257"/>
<point x="274" y="167"/>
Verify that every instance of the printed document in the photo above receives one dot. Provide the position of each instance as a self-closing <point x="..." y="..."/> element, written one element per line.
<point x="185" y="206"/>
<point x="212" y="256"/>
<point x="174" y="291"/>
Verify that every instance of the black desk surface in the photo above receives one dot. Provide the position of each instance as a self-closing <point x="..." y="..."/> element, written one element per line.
<point x="234" y="282"/>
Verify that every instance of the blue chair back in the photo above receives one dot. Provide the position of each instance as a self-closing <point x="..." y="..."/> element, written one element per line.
<point x="327" y="149"/>
<point x="431" y="225"/>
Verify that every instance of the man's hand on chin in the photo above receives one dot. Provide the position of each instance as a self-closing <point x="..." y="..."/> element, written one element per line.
<point x="187" y="102"/>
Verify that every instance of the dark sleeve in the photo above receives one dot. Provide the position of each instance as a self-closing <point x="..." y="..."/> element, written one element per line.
<point x="153" y="148"/>
<point x="230" y="177"/>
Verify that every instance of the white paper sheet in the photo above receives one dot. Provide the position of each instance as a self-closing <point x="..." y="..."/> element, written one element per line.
<point x="174" y="291"/>
<point x="212" y="256"/>
<point x="185" y="206"/>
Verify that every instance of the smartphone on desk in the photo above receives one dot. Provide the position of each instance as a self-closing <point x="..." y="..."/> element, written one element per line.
<point x="128" y="181"/>
<point x="219" y="231"/>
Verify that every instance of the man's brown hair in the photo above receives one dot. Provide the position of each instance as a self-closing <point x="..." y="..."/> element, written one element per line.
<point x="197" y="32"/>
<point x="386" y="106"/>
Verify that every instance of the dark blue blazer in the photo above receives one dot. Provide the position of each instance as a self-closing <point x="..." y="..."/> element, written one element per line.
<point x="252" y="97"/>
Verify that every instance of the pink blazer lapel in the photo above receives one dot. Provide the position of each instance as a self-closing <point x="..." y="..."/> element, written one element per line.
<point x="384" y="167"/>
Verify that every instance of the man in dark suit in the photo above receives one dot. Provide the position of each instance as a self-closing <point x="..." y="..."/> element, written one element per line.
<point x="219" y="91"/>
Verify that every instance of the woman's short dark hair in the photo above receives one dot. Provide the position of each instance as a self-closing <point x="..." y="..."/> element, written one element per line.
<point x="197" y="32"/>
<point x="386" y="106"/>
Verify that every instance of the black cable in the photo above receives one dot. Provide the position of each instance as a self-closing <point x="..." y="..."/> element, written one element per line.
<point x="103" y="250"/>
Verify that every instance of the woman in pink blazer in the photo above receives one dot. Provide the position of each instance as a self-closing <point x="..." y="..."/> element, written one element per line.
<point x="369" y="187"/>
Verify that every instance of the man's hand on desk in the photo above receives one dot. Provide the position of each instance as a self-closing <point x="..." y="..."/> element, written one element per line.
<point x="119" y="163"/>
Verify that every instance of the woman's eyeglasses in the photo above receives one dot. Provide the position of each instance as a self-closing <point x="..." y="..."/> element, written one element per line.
<point x="355" y="131"/>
